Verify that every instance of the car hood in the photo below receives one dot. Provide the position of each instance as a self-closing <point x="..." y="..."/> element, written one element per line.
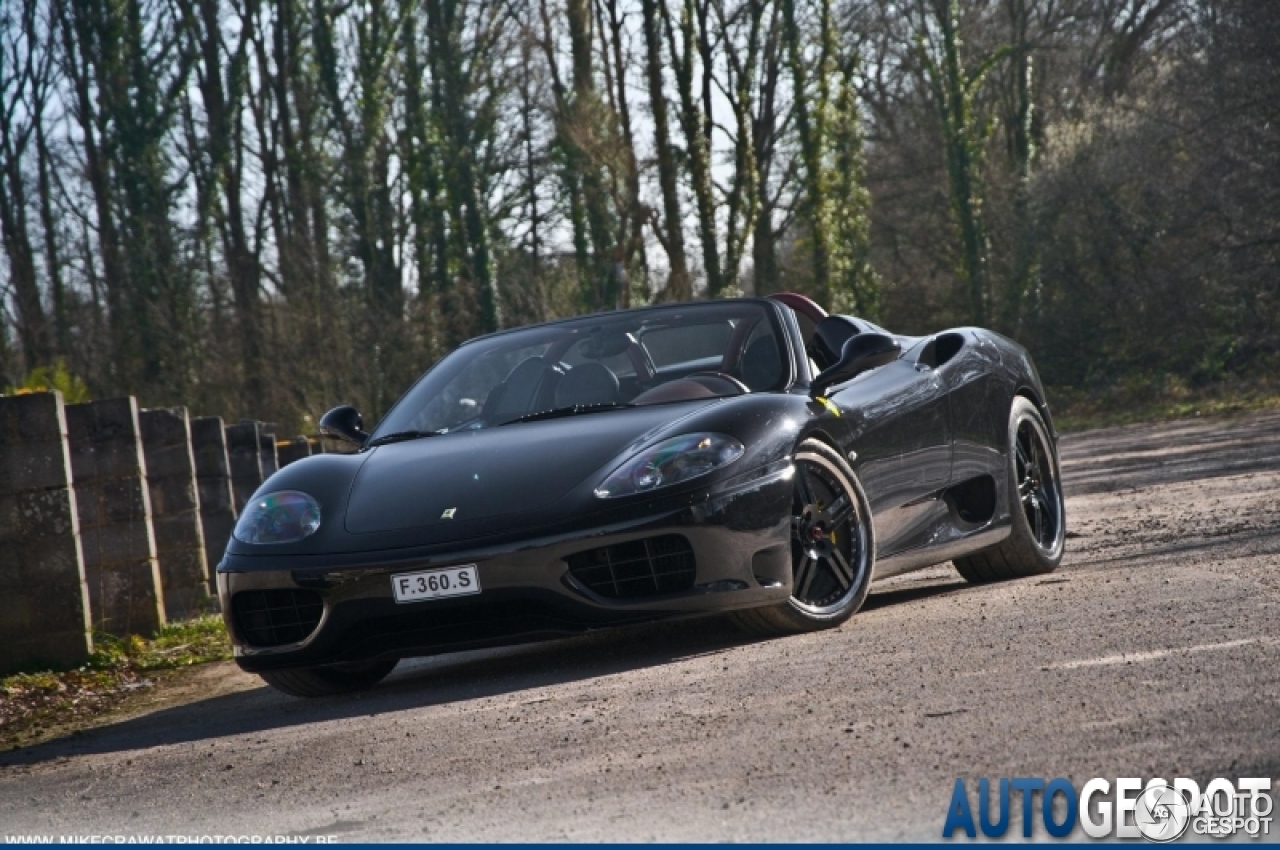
<point x="452" y="484"/>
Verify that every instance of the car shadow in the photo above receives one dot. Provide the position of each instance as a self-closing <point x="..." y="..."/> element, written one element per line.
<point x="416" y="683"/>
<point x="900" y="595"/>
<point x="419" y="683"/>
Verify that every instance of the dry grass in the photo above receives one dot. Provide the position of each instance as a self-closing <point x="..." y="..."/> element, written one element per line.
<point x="34" y="704"/>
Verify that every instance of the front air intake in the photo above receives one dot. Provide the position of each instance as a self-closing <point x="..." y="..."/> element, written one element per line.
<point x="645" y="567"/>
<point x="276" y="617"/>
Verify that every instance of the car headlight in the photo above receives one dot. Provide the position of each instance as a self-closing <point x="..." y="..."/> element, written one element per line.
<point x="280" y="517"/>
<point x="670" y="462"/>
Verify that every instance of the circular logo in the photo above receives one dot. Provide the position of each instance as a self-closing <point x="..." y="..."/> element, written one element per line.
<point x="1162" y="813"/>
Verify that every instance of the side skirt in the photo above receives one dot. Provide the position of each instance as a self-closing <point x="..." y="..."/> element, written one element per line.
<point x="956" y="521"/>
<point x="951" y="543"/>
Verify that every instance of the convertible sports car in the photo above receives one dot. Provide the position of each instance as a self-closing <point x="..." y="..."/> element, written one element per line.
<point x="753" y="456"/>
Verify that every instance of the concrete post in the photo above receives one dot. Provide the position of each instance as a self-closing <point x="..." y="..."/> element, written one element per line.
<point x="267" y="446"/>
<point x="175" y="511"/>
<point x="213" y="480"/>
<point x="245" y="455"/>
<point x="295" y="449"/>
<point x="44" y="603"/>
<point x="110" y="474"/>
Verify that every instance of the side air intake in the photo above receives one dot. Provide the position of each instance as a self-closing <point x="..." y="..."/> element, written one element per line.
<point x="276" y="617"/>
<point x="647" y="567"/>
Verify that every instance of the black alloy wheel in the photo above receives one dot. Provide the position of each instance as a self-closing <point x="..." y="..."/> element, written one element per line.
<point x="1036" y="475"/>
<point x="826" y="545"/>
<point x="1037" y="514"/>
<point x="832" y="547"/>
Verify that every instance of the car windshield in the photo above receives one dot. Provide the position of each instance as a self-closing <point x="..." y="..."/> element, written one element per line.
<point x="639" y="357"/>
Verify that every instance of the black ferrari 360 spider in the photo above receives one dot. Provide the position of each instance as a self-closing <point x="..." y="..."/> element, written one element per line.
<point x="753" y="456"/>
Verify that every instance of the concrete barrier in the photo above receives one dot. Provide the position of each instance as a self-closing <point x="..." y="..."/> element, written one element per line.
<point x="175" y="511"/>
<point x="114" y="507"/>
<point x="213" y="481"/>
<point x="44" y="602"/>
<point x="115" y="519"/>
<point x="267" y="447"/>
<point x="245" y="455"/>
<point x="295" y="449"/>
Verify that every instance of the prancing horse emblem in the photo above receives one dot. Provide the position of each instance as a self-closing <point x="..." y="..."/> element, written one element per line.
<point x="448" y="513"/>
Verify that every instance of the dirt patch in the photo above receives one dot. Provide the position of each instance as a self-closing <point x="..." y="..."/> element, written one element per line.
<point x="122" y="676"/>
<point x="85" y="703"/>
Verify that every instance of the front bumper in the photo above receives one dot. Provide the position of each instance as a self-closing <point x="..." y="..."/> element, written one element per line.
<point x="740" y="542"/>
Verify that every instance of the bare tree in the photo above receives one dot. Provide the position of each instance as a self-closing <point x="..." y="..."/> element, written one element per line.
<point x="670" y="231"/>
<point x="24" y="69"/>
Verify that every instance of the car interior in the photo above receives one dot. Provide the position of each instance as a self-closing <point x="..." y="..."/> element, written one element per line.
<point x="653" y="365"/>
<point x="665" y="356"/>
<point x="669" y="363"/>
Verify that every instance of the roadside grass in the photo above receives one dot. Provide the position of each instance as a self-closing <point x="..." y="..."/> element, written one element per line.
<point x="1163" y="399"/>
<point x="39" y="704"/>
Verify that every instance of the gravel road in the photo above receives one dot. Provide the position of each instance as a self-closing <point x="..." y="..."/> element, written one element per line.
<point x="1153" y="651"/>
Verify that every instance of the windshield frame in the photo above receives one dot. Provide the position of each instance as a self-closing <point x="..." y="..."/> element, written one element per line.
<point x="553" y="330"/>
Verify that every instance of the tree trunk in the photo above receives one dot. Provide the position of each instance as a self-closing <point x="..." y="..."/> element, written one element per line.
<point x="962" y="141"/>
<point x="581" y="131"/>
<point x="697" y="133"/>
<point x="809" y="127"/>
<point x="1021" y="151"/>
<point x="766" y="276"/>
<point x="224" y="148"/>
<point x="77" y="37"/>
<point x="32" y="321"/>
<point x="53" y="259"/>
<point x="679" y="286"/>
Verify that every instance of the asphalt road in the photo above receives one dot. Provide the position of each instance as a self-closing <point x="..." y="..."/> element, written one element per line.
<point x="1153" y="651"/>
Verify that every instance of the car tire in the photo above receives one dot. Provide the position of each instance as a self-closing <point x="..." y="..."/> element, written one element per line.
<point x="328" y="681"/>
<point x="832" y="552"/>
<point x="1038" y="515"/>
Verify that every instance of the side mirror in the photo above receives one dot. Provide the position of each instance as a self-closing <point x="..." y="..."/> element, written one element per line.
<point x="344" y="423"/>
<point x="861" y="353"/>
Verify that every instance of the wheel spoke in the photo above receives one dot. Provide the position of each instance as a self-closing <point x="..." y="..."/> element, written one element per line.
<point x="1034" y="445"/>
<point x="1021" y="452"/>
<point x="806" y="487"/>
<point x="840" y="569"/>
<point x="1046" y="508"/>
<point x="840" y="511"/>
<point x="804" y="577"/>
<point x="1038" y="507"/>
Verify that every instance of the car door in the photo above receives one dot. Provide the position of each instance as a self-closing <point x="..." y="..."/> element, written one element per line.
<point x="978" y="399"/>
<point x="901" y="439"/>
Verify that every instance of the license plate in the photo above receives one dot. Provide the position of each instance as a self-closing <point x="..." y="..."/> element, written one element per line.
<point x="436" y="584"/>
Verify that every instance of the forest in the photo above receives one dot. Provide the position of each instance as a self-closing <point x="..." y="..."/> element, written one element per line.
<point x="267" y="207"/>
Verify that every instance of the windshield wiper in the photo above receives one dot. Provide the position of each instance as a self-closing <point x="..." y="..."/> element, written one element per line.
<point x="559" y="412"/>
<point x="401" y="436"/>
